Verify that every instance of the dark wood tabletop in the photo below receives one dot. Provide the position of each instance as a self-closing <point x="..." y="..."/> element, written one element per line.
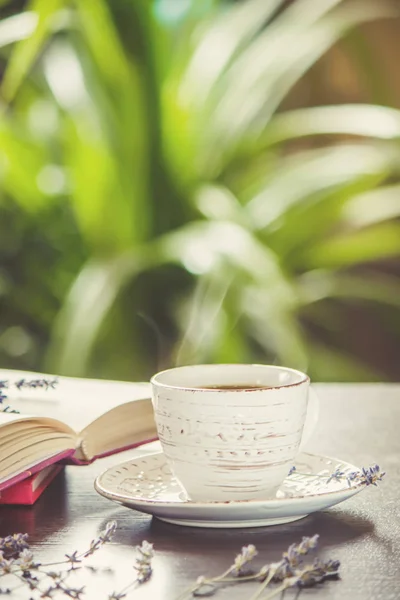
<point x="358" y="423"/>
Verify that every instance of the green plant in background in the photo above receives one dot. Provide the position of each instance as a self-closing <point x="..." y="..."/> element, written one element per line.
<point x="157" y="205"/>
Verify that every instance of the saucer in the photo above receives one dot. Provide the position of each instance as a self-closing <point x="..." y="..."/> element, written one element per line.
<point x="148" y="485"/>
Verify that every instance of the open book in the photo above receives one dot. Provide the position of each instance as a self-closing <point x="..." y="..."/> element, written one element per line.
<point x="78" y="420"/>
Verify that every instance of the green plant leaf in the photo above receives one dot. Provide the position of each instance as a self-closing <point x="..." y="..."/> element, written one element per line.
<point x="264" y="298"/>
<point x="190" y="81"/>
<point x="23" y="164"/>
<point x="93" y="293"/>
<point x="201" y="246"/>
<point x="265" y="51"/>
<point x="272" y="65"/>
<point x="315" y="171"/>
<point x="218" y="202"/>
<point x="371" y="286"/>
<point x="380" y="122"/>
<point x="27" y="50"/>
<point x="315" y="218"/>
<point x="344" y="250"/>
<point x="373" y="207"/>
<point x="17" y="27"/>
<point x="118" y="84"/>
<point x="220" y="42"/>
<point x="326" y="33"/>
<point x="103" y="211"/>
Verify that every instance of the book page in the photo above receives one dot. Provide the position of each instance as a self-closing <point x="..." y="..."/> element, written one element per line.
<point x="75" y="401"/>
<point x="17" y="422"/>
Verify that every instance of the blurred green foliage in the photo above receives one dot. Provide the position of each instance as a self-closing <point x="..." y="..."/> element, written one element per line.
<point x="157" y="205"/>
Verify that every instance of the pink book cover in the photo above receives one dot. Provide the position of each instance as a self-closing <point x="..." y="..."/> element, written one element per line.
<point x="26" y="492"/>
<point x="61" y="456"/>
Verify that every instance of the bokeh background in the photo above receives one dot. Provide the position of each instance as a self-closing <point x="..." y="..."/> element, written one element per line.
<point x="200" y="181"/>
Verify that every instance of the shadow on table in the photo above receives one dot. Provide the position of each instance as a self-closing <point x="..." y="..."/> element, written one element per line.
<point x="335" y="528"/>
<point x="45" y="516"/>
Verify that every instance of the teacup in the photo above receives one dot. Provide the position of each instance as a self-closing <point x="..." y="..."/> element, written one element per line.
<point x="231" y="432"/>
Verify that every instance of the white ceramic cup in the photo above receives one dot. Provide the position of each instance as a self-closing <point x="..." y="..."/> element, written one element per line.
<point x="232" y="444"/>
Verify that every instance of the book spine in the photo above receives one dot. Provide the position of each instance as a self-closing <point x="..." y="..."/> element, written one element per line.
<point x="76" y="461"/>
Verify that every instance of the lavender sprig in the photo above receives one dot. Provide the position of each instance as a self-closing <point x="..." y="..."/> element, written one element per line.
<point x="309" y="576"/>
<point x="12" y="545"/>
<point x="143" y="562"/>
<point x="23" y="383"/>
<point x="287" y="567"/>
<point x="36" y="383"/>
<point x="337" y="475"/>
<point x="243" y="559"/>
<point x="207" y="586"/>
<point x="17" y="560"/>
<point x="143" y="567"/>
<point x="283" y="572"/>
<point x="365" y="476"/>
<point x="105" y="536"/>
<point x="3" y="406"/>
<point x="75" y="558"/>
<point x="368" y="476"/>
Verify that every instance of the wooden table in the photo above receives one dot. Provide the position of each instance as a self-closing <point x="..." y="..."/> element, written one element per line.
<point x="359" y="423"/>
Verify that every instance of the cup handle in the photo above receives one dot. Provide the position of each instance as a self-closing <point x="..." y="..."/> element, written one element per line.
<point x="311" y="418"/>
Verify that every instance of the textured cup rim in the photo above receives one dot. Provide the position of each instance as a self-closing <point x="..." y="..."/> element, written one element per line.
<point x="304" y="379"/>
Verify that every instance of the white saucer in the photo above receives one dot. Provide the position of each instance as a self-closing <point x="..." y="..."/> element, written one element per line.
<point x="147" y="484"/>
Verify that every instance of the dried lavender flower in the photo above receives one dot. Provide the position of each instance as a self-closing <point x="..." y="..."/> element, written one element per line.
<point x="316" y="573"/>
<point x="289" y="572"/>
<point x="105" y="536"/>
<point x="143" y="562"/>
<point x="308" y="543"/>
<point x="73" y="559"/>
<point x="6" y="407"/>
<point x="337" y="475"/>
<point x="108" y="532"/>
<point x="17" y="559"/>
<point x="330" y="567"/>
<point x="25" y="560"/>
<point x="12" y="545"/>
<point x="366" y="475"/>
<point x="291" y="470"/>
<point x="247" y="554"/>
<point x="36" y="383"/>
<point x="23" y="383"/>
<point x="371" y="475"/>
<point x="142" y="566"/>
<point x="5" y="564"/>
<point x="291" y="559"/>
